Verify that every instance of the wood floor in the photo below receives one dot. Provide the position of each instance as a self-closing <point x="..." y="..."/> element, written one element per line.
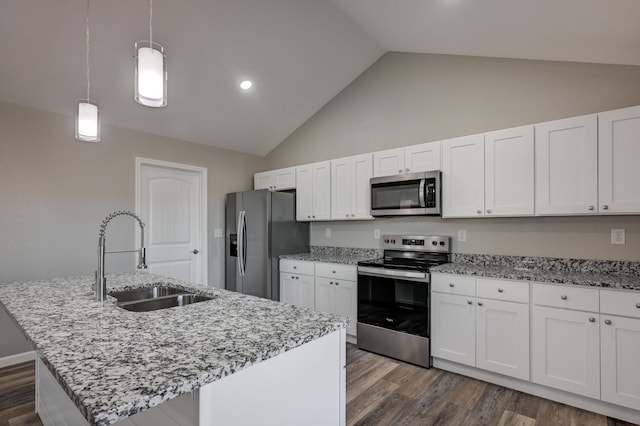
<point x="380" y="391"/>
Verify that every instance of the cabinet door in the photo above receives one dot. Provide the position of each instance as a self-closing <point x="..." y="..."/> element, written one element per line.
<point x="509" y="179"/>
<point x="284" y="179"/>
<point x="263" y="180"/>
<point x="422" y="158"/>
<point x="463" y="176"/>
<point x="325" y="295"/>
<point x="346" y="302"/>
<point x="297" y="289"/>
<point x="566" y="350"/>
<point x="361" y="173"/>
<point x="341" y="189"/>
<point x="618" y="154"/>
<point x="566" y="161"/>
<point x="502" y="337"/>
<point x="453" y="328"/>
<point x="388" y="163"/>
<point x="620" y="343"/>
<point x="321" y="193"/>
<point x="304" y="192"/>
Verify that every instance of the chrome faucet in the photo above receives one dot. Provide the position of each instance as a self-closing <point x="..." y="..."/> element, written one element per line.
<point x="101" y="281"/>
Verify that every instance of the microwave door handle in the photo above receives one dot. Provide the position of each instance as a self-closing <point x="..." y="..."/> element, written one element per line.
<point x="421" y="195"/>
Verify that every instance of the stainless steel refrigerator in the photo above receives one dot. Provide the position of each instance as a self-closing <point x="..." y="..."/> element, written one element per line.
<point x="260" y="226"/>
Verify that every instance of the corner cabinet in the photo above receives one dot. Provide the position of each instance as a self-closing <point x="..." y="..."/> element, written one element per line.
<point x="351" y="188"/>
<point x="275" y="180"/>
<point x="313" y="195"/>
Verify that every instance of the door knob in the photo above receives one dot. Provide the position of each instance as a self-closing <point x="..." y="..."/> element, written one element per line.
<point x="195" y="251"/>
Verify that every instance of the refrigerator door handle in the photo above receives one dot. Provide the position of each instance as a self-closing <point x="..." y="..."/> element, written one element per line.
<point x="244" y="243"/>
<point x="240" y="232"/>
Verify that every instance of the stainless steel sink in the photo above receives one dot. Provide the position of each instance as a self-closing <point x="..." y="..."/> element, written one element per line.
<point x="154" y="298"/>
<point x="164" y="302"/>
<point x="145" y="293"/>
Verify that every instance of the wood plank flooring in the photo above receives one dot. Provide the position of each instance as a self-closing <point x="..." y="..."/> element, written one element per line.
<point x="380" y="391"/>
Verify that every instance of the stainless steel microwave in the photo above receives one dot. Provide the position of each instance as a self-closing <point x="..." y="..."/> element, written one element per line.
<point x="406" y="195"/>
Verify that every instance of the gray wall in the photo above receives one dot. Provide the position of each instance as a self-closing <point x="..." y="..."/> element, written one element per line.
<point x="55" y="191"/>
<point x="405" y="99"/>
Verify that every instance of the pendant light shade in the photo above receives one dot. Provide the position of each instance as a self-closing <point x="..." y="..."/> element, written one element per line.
<point x="87" y="121"/>
<point x="150" y="74"/>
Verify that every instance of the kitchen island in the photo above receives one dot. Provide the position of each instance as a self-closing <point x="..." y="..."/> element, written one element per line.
<point x="237" y="357"/>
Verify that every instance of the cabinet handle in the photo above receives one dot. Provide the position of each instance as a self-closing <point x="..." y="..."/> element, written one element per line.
<point x="337" y="283"/>
<point x="295" y="267"/>
<point x="488" y="210"/>
<point x="608" y="322"/>
<point x="479" y="211"/>
<point x="479" y="303"/>
<point x="500" y="290"/>
<point x="400" y="171"/>
<point x="591" y="208"/>
<point x="314" y="216"/>
<point x="563" y="297"/>
<point x="292" y="277"/>
<point x="605" y="207"/>
<point x="297" y="278"/>
<point x="406" y="170"/>
<point x="330" y="282"/>
<point x="469" y="302"/>
<point x="347" y="215"/>
<point x="638" y="305"/>
<point x="308" y="217"/>
<point x="451" y="285"/>
<point x="333" y="272"/>
<point x="592" y="319"/>
<point x="353" y="215"/>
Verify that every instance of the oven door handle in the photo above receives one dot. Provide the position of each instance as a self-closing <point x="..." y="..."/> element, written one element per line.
<point x="387" y="273"/>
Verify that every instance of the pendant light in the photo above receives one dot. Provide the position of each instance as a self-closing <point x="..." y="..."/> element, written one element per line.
<point x="150" y="70"/>
<point x="87" y="111"/>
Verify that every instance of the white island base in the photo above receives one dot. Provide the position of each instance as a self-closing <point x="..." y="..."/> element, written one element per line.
<point x="305" y="385"/>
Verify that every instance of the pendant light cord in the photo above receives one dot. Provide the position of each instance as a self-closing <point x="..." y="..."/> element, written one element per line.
<point x="87" y="57"/>
<point x="151" y="24"/>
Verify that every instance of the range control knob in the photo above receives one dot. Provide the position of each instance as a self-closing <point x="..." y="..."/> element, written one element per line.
<point x="434" y="243"/>
<point x="393" y="241"/>
<point x="386" y="241"/>
<point x="441" y="243"/>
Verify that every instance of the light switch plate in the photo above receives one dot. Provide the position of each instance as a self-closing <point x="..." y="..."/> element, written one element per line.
<point x="617" y="236"/>
<point x="376" y="234"/>
<point x="462" y="235"/>
<point x="327" y="232"/>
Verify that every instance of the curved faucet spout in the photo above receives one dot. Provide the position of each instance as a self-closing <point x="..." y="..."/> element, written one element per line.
<point x="101" y="281"/>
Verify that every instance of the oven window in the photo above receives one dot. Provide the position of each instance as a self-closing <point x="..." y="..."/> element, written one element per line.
<point x="396" y="195"/>
<point x="394" y="304"/>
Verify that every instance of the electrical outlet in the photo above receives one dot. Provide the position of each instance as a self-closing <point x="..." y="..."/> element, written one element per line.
<point x="327" y="232"/>
<point x="617" y="236"/>
<point x="462" y="235"/>
<point x="217" y="233"/>
<point x="376" y="234"/>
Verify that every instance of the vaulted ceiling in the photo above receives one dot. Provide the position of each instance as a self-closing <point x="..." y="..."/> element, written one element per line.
<point x="299" y="53"/>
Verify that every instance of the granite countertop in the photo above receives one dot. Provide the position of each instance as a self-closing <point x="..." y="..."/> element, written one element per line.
<point x="618" y="281"/>
<point x="342" y="255"/>
<point x="115" y="363"/>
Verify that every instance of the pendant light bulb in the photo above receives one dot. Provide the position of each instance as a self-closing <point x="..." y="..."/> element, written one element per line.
<point x="150" y="70"/>
<point x="87" y="111"/>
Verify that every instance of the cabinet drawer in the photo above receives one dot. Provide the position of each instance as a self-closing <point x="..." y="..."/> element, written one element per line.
<point x="510" y="291"/>
<point x="453" y="284"/>
<point x="582" y="299"/>
<point x="625" y="303"/>
<point x="296" y="266"/>
<point x="336" y="270"/>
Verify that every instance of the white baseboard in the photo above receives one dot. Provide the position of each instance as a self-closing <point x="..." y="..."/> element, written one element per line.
<point x="17" y="359"/>
<point x="352" y="339"/>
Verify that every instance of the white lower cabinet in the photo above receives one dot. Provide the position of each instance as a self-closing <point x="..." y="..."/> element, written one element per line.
<point x="566" y="350"/>
<point x="338" y="297"/>
<point x="297" y="289"/>
<point x="453" y="328"/>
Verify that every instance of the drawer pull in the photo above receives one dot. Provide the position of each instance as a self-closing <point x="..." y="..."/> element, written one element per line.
<point x="292" y="277"/>
<point x="479" y="303"/>
<point x="592" y="319"/>
<point x="608" y="322"/>
<point x="333" y="272"/>
<point x="638" y="305"/>
<point x="451" y="285"/>
<point x="469" y="302"/>
<point x="337" y="283"/>
<point x="295" y="267"/>
<point x="500" y="290"/>
<point x="297" y="278"/>
<point x="591" y="208"/>
<point x="563" y="297"/>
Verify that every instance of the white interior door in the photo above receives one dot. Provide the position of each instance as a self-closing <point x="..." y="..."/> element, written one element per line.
<point x="171" y="200"/>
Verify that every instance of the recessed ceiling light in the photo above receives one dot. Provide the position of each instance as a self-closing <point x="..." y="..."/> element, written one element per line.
<point x="246" y="85"/>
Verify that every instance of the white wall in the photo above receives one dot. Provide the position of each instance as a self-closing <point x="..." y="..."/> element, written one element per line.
<point x="405" y="99"/>
<point x="55" y="191"/>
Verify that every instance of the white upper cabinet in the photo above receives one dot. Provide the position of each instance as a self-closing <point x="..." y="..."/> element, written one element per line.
<point x="566" y="155"/>
<point x="388" y="163"/>
<point x="313" y="194"/>
<point x="463" y="176"/>
<point x="618" y="155"/>
<point x="275" y="180"/>
<point x="350" y="187"/>
<point x="422" y="158"/>
<point x="509" y="174"/>
<point x="411" y="159"/>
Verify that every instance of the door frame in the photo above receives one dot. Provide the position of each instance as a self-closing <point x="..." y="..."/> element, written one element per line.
<point x="202" y="173"/>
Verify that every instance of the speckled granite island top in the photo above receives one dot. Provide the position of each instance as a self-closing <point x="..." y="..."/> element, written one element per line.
<point x="342" y="255"/>
<point x="115" y="363"/>
<point x="619" y="275"/>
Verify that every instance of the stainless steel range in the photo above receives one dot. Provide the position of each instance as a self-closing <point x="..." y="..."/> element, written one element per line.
<point x="394" y="297"/>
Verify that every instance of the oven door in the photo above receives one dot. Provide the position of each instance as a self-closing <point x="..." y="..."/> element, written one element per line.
<point x="393" y="299"/>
